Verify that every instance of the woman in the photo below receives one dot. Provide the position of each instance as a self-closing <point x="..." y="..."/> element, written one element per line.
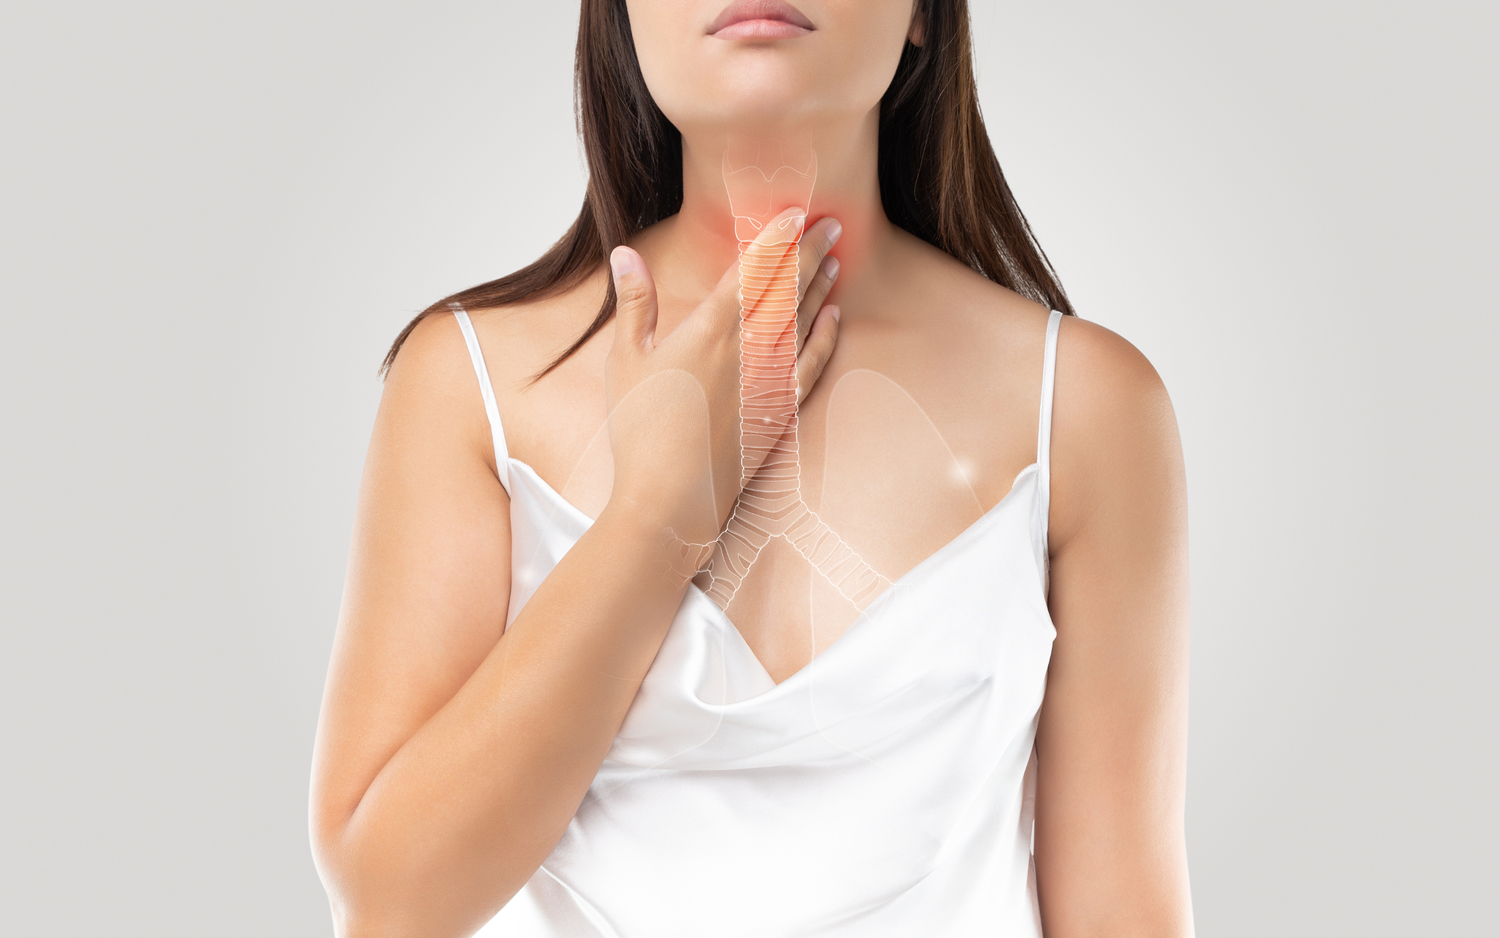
<point x="533" y="720"/>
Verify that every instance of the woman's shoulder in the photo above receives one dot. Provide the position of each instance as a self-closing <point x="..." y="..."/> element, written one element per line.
<point x="433" y="380"/>
<point x="1105" y="363"/>
<point x="521" y="339"/>
<point x="1116" y="448"/>
<point x="1111" y="415"/>
<point x="548" y="422"/>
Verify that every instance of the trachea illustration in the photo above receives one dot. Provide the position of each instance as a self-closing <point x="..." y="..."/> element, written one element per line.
<point x="771" y="503"/>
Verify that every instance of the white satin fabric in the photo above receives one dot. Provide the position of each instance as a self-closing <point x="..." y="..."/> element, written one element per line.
<point x="883" y="790"/>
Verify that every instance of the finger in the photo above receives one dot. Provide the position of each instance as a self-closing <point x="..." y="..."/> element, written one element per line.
<point x="814" y="246"/>
<point x="812" y="252"/>
<point x="635" y="298"/>
<point x="817" y="291"/>
<point x="821" y="340"/>
<point x="768" y="266"/>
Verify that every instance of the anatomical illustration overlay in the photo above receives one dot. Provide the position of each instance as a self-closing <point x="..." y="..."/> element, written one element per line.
<point x="771" y="504"/>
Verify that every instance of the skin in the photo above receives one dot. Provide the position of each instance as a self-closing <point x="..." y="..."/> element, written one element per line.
<point x="450" y="757"/>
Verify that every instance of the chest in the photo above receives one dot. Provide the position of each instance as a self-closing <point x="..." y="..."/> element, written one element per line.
<point x="906" y="441"/>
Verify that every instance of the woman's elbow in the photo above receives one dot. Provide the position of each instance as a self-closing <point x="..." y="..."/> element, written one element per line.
<point x="351" y="883"/>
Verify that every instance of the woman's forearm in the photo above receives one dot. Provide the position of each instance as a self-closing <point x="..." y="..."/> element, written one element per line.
<point x="473" y="798"/>
<point x="468" y="808"/>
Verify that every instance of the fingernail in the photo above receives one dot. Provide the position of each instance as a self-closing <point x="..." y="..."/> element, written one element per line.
<point x="831" y="267"/>
<point x="621" y="261"/>
<point x="834" y="230"/>
<point x="834" y="312"/>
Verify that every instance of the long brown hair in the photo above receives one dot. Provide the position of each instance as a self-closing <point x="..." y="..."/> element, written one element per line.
<point x="939" y="178"/>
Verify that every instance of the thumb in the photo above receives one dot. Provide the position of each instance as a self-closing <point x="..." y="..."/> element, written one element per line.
<point x="635" y="298"/>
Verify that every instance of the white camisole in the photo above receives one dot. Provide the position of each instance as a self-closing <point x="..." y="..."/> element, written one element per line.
<point x="883" y="790"/>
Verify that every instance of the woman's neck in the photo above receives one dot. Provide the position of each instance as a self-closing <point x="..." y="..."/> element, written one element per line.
<point x="689" y="252"/>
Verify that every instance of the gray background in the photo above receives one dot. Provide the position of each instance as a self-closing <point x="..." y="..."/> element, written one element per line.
<point x="216" y="217"/>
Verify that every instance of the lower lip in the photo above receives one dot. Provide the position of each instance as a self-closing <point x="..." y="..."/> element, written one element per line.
<point x="761" y="29"/>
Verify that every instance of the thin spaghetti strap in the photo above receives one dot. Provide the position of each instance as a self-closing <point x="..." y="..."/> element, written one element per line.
<point x="1044" y="436"/>
<point x="487" y="391"/>
<point x="1049" y="376"/>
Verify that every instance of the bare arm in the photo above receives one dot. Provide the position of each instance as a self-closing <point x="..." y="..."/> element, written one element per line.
<point x="441" y="777"/>
<point x="1110" y="847"/>
<point x="450" y="756"/>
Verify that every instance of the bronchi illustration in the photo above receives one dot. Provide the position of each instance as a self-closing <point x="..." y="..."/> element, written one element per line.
<point x="770" y="504"/>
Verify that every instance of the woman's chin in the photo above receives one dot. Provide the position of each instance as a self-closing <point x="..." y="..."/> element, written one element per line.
<point x="755" y="90"/>
<point x="761" y="113"/>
